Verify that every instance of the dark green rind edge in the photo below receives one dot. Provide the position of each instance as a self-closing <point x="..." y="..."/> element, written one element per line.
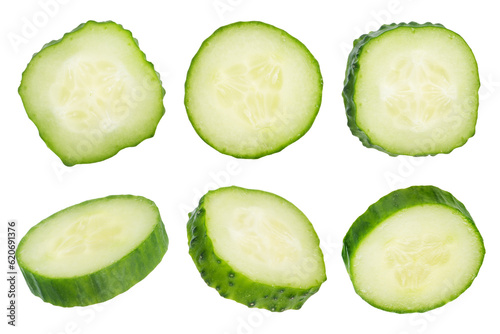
<point x="71" y="162"/>
<point x="352" y="73"/>
<point x="388" y="205"/>
<point x="219" y="275"/>
<point x="205" y="43"/>
<point x="103" y="284"/>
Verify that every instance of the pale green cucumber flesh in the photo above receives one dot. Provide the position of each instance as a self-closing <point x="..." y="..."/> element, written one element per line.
<point x="414" y="250"/>
<point x="92" y="93"/>
<point x="256" y="248"/>
<point x="252" y="89"/>
<point x="92" y="251"/>
<point x="412" y="89"/>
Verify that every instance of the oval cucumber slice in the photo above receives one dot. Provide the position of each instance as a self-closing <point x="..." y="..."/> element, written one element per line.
<point x="412" y="89"/>
<point x="91" y="252"/>
<point x="92" y="93"/>
<point x="252" y="89"/>
<point x="414" y="250"/>
<point x="256" y="248"/>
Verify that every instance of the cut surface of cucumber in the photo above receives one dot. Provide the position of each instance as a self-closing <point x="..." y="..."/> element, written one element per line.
<point x="92" y="93"/>
<point x="252" y="89"/>
<point x="92" y="251"/>
<point x="412" y="89"/>
<point x="414" y="250"/>
<point x="256" y="248"/>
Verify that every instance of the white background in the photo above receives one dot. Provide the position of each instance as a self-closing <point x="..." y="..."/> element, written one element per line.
<point x="328" y="174"/>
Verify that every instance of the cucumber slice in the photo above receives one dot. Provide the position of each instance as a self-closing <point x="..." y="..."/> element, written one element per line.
<point x="412" y="89"/>
<point x="256" y="248"/>
<point x="92" y="93"/>
<point x="414" y="250"/>
<point x="252" y="89"/>
<point x="91" y="252"/>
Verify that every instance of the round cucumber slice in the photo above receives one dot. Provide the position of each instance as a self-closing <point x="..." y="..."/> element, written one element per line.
<point x="91" y="252"/>
<point x="414" y="250"/>
<point x="252" y="89"/>
<point x="256" y="248"/>
<point x="412" y="89"/>
<point x="92" y="93"/>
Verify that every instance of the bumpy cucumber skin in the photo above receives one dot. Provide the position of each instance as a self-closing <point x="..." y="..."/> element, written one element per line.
<point x="76" y="158"/>
<point x="388" y="205"/>
<point x="350" y="83"/>
<point x="219" y="275"/>
<point x="103" y="284"/>
<point x="242" y="155"/>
